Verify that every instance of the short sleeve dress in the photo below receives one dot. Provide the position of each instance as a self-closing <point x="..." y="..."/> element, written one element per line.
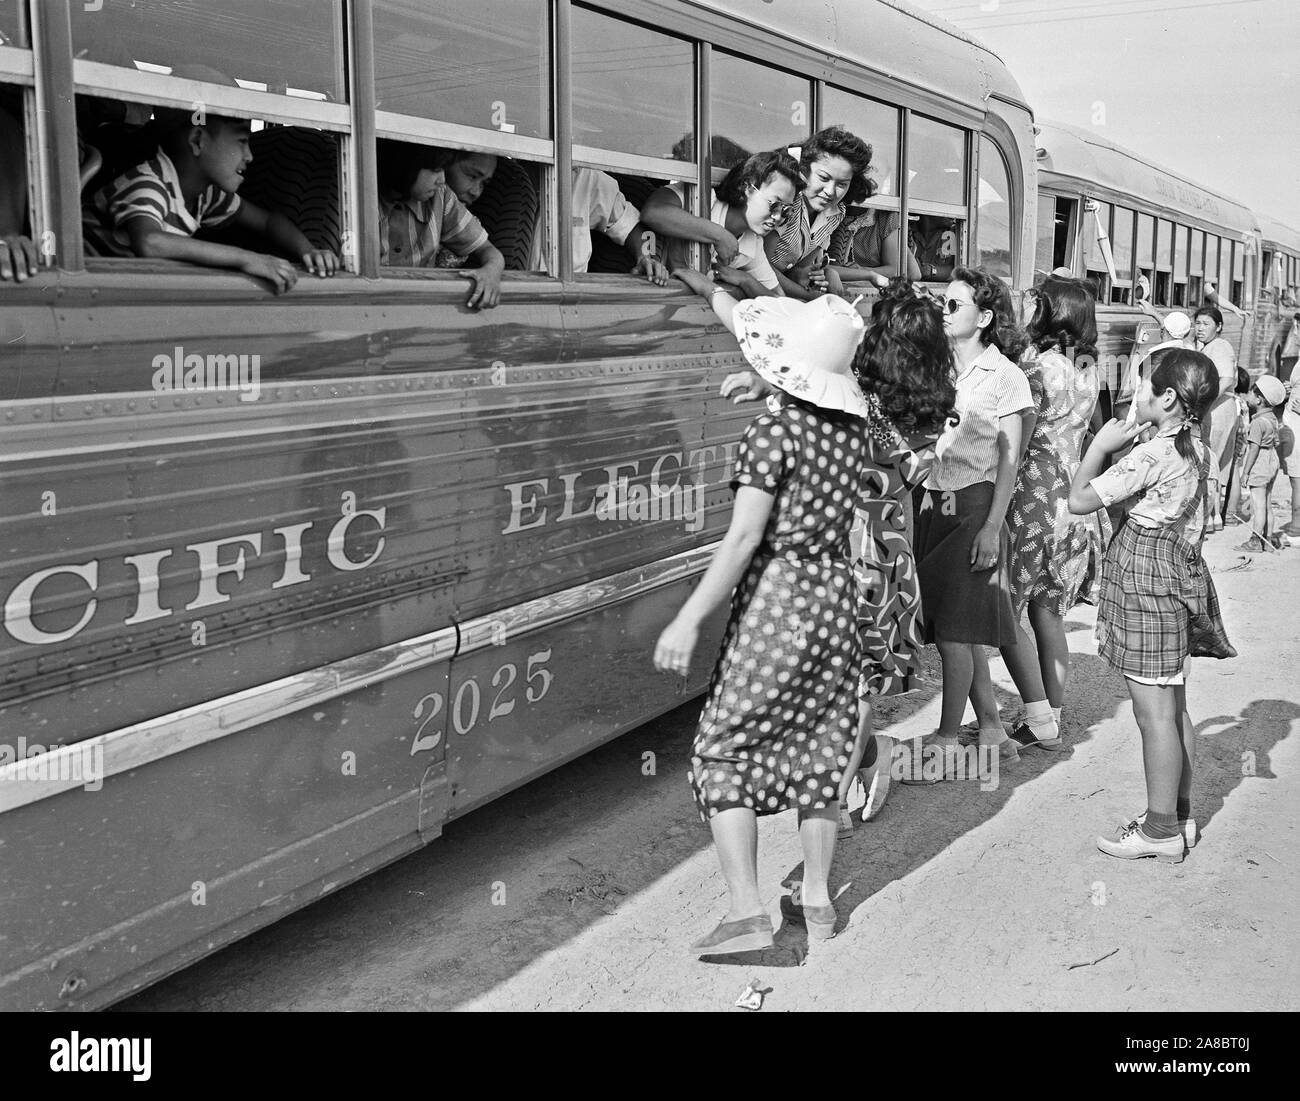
<point x="1054" y="554"/>
<point x="781" y="713"/>
<point x="889" y="592"/>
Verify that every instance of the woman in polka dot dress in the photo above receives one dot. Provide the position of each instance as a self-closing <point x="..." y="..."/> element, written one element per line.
<point x="778" y="726"/>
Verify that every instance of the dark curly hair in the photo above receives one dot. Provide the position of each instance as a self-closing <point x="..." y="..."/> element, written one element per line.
<point x="400" y="163"/>
<point x="1065" y="318"/>
<point x="990" y="293"/>
<point x="906" y="361"/>
<point x="836" y="141"/>
<point x="754" y="172"/>
<point x="1194" y="378"/>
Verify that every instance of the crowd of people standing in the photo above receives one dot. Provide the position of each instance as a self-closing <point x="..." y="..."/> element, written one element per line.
<point x="917" y="477"/>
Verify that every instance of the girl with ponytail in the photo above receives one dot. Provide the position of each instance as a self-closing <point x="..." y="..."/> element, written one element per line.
<point x="1157" y="605"/>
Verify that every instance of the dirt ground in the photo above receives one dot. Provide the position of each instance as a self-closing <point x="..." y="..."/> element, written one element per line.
<point x="583" y="890"/>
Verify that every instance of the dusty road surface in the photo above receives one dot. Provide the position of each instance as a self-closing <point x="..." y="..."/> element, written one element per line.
<point x="583" y="890"/>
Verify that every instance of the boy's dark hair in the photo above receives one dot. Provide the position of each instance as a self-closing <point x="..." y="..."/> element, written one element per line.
<point x="399" y="163"/>
<point x="1065" y="318"/>
<point x="1243" y="381"/>
<point x="990" y="293"/>
<point x="1194" y="379"/>
<point x="1212" y="312"/>
<point x="906" y="360"/>
<point x="172" y="126"/>
<point x="836" y="141"/>
<point x="754" y="172"/>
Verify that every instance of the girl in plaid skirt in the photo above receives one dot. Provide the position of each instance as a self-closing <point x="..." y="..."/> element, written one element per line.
<point x="1157" y="605"/>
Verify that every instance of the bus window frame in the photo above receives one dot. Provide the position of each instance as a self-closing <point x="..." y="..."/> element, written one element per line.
<point x="1014" y="199"/>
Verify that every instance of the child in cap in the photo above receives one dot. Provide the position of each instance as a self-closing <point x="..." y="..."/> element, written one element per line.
<point x="1156" y="602"/>
<point x="190" y="183"/>
<point x="1259" y="468"/>
<point x="779" y="724"/>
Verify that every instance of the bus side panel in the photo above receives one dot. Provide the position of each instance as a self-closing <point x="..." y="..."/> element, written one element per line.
<point x="107" y="890"/>
<point x="520" y="709"/>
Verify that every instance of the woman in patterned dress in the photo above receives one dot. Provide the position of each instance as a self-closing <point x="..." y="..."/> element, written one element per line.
<point x="778" y="725"/>
<point x="905" y="367"/>
<point x="1054" y="555"/>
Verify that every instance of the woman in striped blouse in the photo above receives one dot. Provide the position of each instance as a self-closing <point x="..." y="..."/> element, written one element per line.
<point x="834" y="164"/>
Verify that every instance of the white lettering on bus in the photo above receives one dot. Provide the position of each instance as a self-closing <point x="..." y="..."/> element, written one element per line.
<point x="527" y="510"/>
<point x="19" y="605"/>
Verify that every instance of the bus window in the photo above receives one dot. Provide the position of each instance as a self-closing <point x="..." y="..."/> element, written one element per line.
<point x="1238" y="273"/>
<point x="1196" y="268"/>
<point x="633" y="89"/>
<point x="1266" y="273"/>
<point x="1045" y="235"/>
<point x="483" y="64"/>
<point x="1145" y="254"/>
<point x="466" y="194"/>
<point x="13" y="32"/>
<point x="15" y="223"/>
<point x="1164" y="262"/>
<point x="1095" y="265"/>
<point x="756" y="107"/>
<point x="993" y="249"/>
<point x="936" y="180"/>
<point x="1223" y="284"/>
<point x="291" y="48"/>
<point x="1121" y="244"/>
<point x="1179" y="265"/>
<point x="875" y="123"/>
<point x="1211" y="262"/>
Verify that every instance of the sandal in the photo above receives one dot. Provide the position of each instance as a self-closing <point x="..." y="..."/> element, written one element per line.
<point x="747" y="935"/>
<point x="819" y="920"/>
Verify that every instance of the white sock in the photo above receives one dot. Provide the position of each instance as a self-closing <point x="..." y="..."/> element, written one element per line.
<point x="1039" y="715"/>
<point x="1056" y="714"/>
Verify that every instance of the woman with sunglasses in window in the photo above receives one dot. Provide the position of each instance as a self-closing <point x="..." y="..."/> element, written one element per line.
<point x="753" y="198"/>
<point x="834" y="164"/>
<point x="962" y="544"/>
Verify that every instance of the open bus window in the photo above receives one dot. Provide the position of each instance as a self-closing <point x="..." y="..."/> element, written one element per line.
<point x="613" y="206"/>
<point x="756" y="107"/>
<point x="993" y="249"/>
<point x="292" y="47"/>
<point x="1055" y="236"/>
<point x="1121" y="244"/>
<point x="1096" y="240"/>
<point x="1164" y="262"/>
<point x="937" y="244"/>
<point x="440" y="207"/>
<point x="1145" y="274"/>
<point x="483" y="64"/>
<point x="20" y="259"/>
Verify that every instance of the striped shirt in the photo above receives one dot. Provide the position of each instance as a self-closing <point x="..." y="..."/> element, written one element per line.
<point x="967" y="452"/>
<point x="151" y="190"/>
<point x="860" y="242"/>
<point x="410" y="232"/>
<point x="796" y="239"/>
<point x="751" y="257"/>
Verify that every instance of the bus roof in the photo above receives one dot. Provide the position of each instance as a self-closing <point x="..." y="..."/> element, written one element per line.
<point x="891" y="37"/>
<point x="1081" y="155"/>
<point x="1278" y="233"/>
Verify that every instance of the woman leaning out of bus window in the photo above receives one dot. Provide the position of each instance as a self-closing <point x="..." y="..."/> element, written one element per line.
<point x="1219" y="425"/>
<point x="419" y="214"/>
<point x="755" y="197"/>
<point x="834" y="163"/>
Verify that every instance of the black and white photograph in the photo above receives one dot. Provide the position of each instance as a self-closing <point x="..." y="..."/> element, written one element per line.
<point x="651" y="506"/>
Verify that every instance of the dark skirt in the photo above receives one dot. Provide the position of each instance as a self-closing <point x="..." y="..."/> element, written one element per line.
<point x="959" y="604"/>
<point x="1156" y="604"/>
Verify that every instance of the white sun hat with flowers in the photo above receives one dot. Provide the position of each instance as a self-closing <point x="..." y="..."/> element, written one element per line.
<point x="805" y="348"/>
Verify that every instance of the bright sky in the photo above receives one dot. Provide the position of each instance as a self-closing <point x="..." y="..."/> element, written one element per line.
<point x="1210" y="88"/>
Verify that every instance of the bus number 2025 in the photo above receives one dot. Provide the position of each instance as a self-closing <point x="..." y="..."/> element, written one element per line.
<point x="467" y="702"/>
